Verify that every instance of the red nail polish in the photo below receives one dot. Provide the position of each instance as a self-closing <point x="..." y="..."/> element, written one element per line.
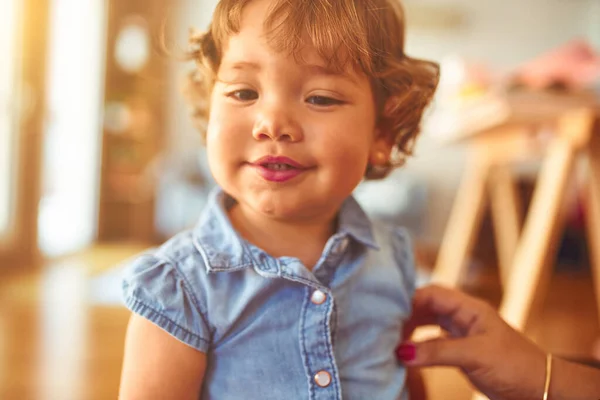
<point x="406" y="352"/>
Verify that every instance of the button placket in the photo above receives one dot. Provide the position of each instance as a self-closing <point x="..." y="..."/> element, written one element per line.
<point x="317" y="347"/>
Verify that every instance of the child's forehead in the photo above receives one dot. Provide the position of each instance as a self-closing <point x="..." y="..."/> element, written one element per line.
<point x="252" y="46"/>
<point x="246" y="55"/>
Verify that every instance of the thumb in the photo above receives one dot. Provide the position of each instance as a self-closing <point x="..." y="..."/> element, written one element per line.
<point x="451" y="352"/>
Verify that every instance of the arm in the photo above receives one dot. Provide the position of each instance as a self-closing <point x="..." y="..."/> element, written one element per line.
<point x="574" y="381"/>
<point x="157" y="366"/>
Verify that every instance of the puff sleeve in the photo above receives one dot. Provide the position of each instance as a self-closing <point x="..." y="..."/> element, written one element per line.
<point x="158" y="291"/>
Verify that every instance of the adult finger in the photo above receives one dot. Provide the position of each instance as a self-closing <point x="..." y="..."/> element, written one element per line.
<point x="451" y="309"/>
<point x="424" y="309"/>
<point x="461" y="352"/>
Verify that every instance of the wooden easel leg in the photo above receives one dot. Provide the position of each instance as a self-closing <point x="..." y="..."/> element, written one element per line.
<point x="593" y="209"/>
<point x="506" y="215"/>
<point x="465" y="220"/>
<point x="540" y="233"/>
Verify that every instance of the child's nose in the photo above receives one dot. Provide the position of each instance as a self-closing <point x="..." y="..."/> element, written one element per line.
<point x="276" y="124"/>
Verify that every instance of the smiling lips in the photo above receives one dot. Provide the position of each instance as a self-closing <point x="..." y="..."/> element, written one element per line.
<point x="278" y="169"/>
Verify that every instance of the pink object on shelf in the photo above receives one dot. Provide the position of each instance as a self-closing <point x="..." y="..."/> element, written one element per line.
<point x="575" y="65"/>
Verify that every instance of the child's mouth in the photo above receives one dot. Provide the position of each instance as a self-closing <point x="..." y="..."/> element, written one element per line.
<point x="278" y="169"/>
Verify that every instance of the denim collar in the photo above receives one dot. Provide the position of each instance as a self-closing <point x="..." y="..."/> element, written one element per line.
<point x="224" y="250"/>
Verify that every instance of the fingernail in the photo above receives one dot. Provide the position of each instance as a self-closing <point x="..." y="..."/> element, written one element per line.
<point x="406" y="352"/>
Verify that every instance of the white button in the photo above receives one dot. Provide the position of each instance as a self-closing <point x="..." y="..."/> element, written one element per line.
<point x="318" y="297"/>
<point x="323" y="378"/>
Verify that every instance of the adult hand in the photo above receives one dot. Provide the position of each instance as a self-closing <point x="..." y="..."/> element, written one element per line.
<point x="499" y="361"/>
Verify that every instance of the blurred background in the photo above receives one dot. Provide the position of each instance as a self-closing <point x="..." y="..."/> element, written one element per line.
<point x="99" y="161"/>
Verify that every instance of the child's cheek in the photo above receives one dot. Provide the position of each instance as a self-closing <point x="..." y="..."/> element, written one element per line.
<point x="226" y="123"/>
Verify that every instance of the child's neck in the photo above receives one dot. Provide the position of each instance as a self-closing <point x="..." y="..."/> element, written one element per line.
<point x="304" y="240"/>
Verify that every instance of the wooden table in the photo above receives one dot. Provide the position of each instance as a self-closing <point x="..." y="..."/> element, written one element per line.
<point x="556" y="129"/>
<point x="570" y="127"/>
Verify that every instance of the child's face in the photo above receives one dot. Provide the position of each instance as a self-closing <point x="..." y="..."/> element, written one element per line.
<point x="266" y="104"/>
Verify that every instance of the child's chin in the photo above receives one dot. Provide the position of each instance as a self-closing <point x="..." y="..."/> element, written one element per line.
<point x="278" y="209"/>
<point x="284" y="206"/>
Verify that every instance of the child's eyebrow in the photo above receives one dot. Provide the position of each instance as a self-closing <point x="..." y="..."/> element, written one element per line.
<point x="317" y="69"/>
<point x="243" y="65"/>
<point x="322" y="70"/>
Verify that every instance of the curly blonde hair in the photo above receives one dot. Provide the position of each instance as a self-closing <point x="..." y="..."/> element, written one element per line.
<point x="367" y="35"/>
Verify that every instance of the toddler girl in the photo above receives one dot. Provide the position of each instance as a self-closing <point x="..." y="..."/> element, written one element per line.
<point x="285" y="289"/>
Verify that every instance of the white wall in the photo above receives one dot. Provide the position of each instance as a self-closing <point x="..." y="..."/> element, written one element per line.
<point x="505" y="32"/>
<point x="594" y="24"/>
<point x="502" y="32"/>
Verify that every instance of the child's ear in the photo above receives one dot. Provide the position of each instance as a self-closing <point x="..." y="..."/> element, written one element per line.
<point x="381" y="150"/>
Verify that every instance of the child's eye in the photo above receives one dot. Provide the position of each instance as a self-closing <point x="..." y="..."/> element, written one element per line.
<point x="243" y="95"/>
<point x="323" y="101"/>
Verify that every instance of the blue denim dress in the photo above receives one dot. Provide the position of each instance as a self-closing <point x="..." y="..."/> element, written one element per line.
<point x="272" y="329"/>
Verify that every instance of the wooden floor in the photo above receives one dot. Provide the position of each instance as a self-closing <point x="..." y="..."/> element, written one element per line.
<point x="62" y="329"/>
